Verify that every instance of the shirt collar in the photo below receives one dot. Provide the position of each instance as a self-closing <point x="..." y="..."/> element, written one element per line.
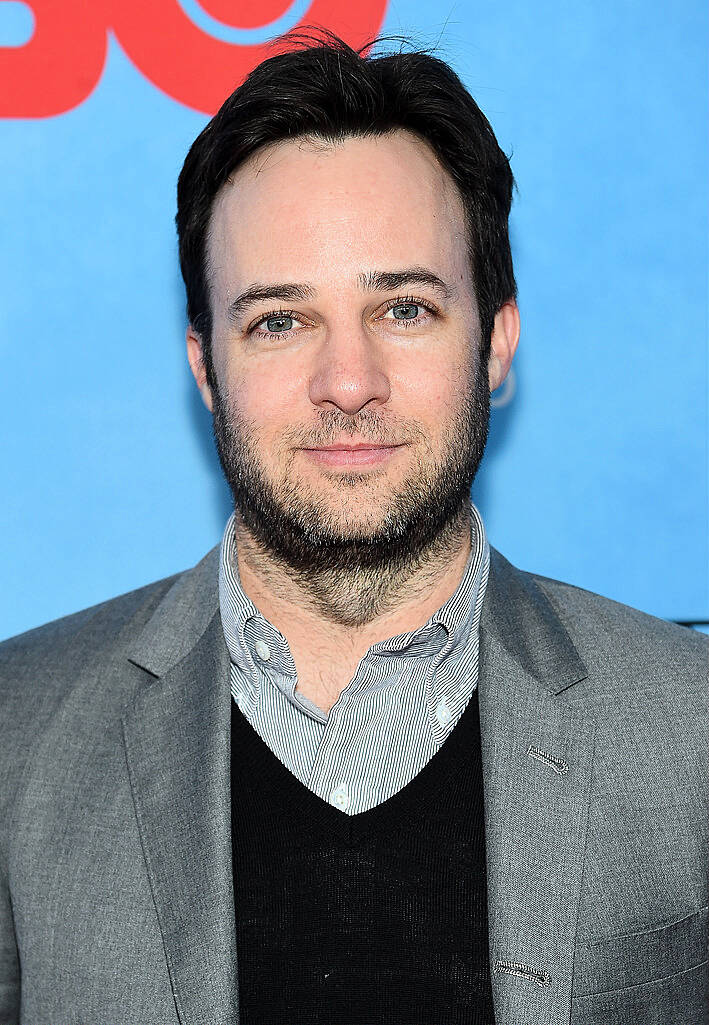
<point x="245" y="628"/>
<point x="444" y="639"/>
<point x="456" y="614"/>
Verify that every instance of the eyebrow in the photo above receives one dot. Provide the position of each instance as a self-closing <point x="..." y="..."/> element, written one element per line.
<point x="373" y="281"/>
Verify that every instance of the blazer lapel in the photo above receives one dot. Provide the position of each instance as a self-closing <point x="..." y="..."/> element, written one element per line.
<point x="537" y="745"/>
<point x="177" y="740"/>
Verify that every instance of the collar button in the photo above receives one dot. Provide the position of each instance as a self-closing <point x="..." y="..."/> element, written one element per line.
<point x="262" y="650"/>
<point x="443" y="712"/>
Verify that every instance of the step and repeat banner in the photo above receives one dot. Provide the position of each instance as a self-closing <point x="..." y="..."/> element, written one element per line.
<point x="596" y="469"/>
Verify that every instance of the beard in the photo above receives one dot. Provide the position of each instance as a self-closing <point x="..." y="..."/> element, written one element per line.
<point x="349" y="563"/>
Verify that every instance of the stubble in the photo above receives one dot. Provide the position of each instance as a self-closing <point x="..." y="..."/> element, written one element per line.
<point x="353" y="568"/>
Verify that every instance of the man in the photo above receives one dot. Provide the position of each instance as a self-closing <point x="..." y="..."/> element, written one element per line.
<point x="354" y="766"/>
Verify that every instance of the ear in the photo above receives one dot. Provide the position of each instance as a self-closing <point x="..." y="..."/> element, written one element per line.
<point x="195" y="355"/>
<point x="503" y="343"/>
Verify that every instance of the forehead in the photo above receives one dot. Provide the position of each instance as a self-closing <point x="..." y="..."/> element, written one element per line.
<point x="324" y="212"/>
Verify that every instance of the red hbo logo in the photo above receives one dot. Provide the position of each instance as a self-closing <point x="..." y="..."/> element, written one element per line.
<point x="63" y="61"/>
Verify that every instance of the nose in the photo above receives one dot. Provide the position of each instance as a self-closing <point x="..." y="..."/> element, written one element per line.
<point x="349" y="373"/>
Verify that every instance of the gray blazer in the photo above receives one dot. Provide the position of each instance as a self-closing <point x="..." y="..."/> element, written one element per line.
<point x="116" y="893"/>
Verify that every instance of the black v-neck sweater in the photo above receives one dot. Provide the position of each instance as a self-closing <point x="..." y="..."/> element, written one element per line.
<point x="369" y="919"/>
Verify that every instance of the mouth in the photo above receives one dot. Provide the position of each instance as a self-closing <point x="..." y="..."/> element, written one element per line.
<point x="351" y="455"/>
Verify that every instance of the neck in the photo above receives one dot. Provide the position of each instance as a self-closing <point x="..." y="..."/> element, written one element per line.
<point x="342" y="613"/>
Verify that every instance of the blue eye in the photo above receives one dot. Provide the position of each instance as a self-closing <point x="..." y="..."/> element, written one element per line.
<point x="405" y="311"/>
<point x="410" y="311"/>
<point x="276" y="325"/>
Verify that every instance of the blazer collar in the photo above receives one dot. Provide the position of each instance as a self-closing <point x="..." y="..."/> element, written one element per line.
<point x="180" y="619"/>
<point x="516" y="612"/>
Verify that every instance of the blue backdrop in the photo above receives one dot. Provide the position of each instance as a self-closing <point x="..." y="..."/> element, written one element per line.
<point x="596" y="470"/>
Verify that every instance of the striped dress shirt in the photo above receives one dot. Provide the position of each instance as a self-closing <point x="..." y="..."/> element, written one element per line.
<point x="406" y="696"/>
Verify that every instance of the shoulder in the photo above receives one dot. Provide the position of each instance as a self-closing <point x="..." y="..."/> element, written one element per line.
<point x="611" y="627"/>
<point x="642" y="681"/>
<point x="640" y="668"/>
<point x="45" y="669"/>
<point x="622" y="648"/>
<point x="81" y="635"/>
<point x="42" y="665"/>
<point x="584" y="613"/>
<point x="79" y="672"/>
<point x="39" y="669"/>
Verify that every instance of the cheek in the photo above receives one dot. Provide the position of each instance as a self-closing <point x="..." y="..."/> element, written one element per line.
<point x="269" y="398"/>
<point x="428" y="392"/>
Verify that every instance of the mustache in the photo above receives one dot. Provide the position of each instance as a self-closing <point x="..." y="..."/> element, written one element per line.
<point x="365" y="426"/>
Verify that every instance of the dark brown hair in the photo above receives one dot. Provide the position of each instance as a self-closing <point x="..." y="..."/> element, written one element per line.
<point x="324" y="89"/>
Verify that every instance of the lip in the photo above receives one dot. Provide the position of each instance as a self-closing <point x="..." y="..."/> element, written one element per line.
<point x="351" y="455"/>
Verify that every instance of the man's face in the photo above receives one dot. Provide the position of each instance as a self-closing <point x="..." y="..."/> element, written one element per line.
<point x="344" y="318"/>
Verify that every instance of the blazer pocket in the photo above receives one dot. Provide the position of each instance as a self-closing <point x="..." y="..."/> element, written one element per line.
<point x="619" y="962"/>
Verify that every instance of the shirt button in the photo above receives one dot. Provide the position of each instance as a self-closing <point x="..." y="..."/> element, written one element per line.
<point x="263" y="651"/>
<point x="340" y="797"/>
<point x="443" y="712"/>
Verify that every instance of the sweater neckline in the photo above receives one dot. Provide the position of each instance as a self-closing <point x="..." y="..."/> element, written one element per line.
<point x="289" y="798"/>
